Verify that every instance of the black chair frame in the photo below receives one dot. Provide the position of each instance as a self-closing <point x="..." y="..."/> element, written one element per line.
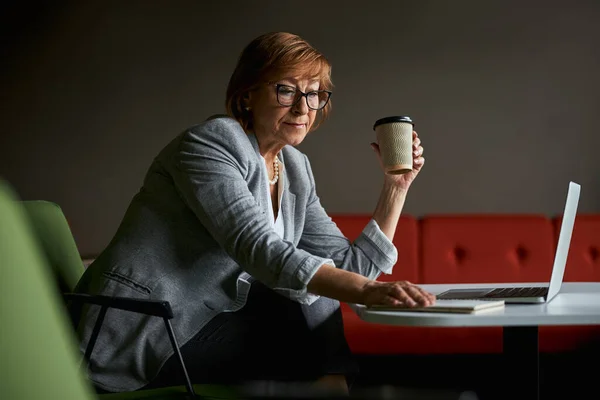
<point x="161" y="309"/>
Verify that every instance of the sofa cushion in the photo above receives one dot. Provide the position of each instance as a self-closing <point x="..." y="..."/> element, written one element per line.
<point x="370" y="338"/>
<point x="486" y="248"/>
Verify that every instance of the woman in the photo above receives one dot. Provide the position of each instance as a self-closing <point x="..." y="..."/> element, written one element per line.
<point x="228" y="228"/>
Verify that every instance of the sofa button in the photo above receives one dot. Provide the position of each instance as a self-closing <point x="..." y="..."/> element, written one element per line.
<point x="459" y="254"/>
<point x="593" y="254"/>
<point x="522" y="253"/>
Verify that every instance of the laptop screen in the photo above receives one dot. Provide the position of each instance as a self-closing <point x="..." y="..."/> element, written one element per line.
<point x="564" y="240"/>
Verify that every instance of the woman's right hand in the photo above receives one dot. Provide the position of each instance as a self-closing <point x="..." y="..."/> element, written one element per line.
<point x="395" y="294"/>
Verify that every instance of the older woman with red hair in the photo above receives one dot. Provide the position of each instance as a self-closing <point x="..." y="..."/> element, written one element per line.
<point x="229" y="229"/>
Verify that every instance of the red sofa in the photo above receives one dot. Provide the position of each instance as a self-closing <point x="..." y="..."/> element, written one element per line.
<point x="475" y="248"/>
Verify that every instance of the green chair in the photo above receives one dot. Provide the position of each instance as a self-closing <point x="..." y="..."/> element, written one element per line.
<point x="54" y="234"/>
<point x="39" y="355"/>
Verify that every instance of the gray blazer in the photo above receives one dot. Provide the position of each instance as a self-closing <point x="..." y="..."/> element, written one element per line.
<point x="198" y="224"/>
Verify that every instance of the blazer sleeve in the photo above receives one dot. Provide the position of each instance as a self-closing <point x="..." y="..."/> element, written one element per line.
<point x="210" y="169"/>
<point x="371" y="254"/>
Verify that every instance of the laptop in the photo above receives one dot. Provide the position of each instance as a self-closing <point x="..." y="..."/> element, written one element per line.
<point x="531" y="294"/>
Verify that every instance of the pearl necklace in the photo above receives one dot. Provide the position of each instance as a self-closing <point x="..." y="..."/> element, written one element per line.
<point x="276" y="172"/>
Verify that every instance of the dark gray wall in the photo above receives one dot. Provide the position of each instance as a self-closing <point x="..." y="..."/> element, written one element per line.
<point x="505" y="95"/>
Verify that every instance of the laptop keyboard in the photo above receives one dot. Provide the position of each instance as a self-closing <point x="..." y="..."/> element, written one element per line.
<point x="517" y="292"/>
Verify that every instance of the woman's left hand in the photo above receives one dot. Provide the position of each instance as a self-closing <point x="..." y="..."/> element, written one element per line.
<point x="404" y="181"/>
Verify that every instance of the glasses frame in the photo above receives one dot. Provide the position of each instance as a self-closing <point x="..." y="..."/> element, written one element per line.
<point x="302" y="94"/>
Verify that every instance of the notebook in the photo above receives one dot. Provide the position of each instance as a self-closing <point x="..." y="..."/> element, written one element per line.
<point x="531" y="294"/>
<point x="449" y="306"/>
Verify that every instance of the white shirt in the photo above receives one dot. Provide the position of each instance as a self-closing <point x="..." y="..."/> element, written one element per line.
<point x="277" y="223"/>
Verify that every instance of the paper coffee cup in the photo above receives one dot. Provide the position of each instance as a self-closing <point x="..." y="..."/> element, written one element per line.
<point x="394" y="136"/>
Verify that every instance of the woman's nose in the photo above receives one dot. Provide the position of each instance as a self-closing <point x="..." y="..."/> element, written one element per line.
<point x="301" y="107"/>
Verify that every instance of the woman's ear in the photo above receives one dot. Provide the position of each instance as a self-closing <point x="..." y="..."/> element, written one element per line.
<point x="246" y="100"/>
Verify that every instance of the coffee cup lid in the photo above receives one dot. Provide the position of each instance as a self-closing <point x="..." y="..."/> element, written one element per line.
<point x="388" y="120"/>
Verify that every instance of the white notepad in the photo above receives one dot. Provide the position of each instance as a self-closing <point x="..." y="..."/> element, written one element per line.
<point x="449" y="306"/>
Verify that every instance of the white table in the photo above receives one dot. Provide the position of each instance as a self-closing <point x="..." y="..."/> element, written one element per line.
<point x="578" y="303"/>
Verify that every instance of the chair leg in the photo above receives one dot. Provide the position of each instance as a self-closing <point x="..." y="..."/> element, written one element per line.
<point x="93" y="337"/>
<point x="188" y="383"/>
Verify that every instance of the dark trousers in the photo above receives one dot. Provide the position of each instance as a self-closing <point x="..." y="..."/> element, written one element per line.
<point x="270" y="338"/>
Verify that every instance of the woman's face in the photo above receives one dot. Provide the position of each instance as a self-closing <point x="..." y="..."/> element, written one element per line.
<point x="277" y="125"/>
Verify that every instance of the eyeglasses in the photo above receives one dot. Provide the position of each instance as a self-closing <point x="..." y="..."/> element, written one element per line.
<point x="289" y="96"/>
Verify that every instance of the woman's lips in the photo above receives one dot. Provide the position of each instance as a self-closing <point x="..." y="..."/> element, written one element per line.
<point x="295" y="125"/>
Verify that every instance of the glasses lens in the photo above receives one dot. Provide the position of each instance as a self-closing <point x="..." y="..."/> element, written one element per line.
<point x="319" y="100"/>
<point x="286" y="95"/>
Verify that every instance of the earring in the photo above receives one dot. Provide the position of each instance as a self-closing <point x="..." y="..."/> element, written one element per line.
<point x="247" y="108"/>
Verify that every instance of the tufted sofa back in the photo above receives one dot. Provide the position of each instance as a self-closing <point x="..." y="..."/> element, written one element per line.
<point x="486" y="248"/>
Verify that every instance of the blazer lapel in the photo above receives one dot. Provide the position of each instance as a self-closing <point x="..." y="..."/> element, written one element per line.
<point x="258" y="189"/>
<point x="288" y="208"/>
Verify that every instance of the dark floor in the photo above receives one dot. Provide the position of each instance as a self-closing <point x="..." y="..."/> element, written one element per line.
<point x="562" y="376"/>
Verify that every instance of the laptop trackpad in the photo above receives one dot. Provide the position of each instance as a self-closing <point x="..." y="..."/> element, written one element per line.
<point x="464" y="293"/>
